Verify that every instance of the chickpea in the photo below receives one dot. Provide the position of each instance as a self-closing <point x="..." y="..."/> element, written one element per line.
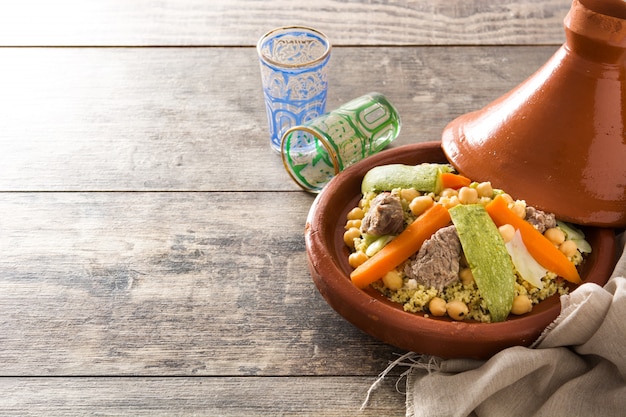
<point x="485" y="189"/>
<point x="353" y="223"/>
<point x="393" y="280"/>
<point x="519" y="208"/>
<point x="356" y="213"/>
<point x="449" y="202"/>
<point x="466" y="276"/>
<point x="457" y="310"/>
<point x="468" y="195"/>
<point x="569" y="248"/>
<point x="507" y="198"/>
<point x="507" y="232"/>
<point x="521" y="305"/>
<point x="419" y="204"/>
<point x="555" y="235"/>
<point x="437" y="306"/>
<point x="408" y="194"/>
<point x="350" y="235"/>
<point x="357" y="258"/>
<point x="449" y="192"/>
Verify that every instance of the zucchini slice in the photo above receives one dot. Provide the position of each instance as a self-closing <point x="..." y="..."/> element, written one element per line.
<point x="423" y="177"/>
<point x="487" y="257"/>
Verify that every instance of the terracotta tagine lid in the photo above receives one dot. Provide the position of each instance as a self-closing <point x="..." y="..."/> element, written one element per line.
<point x="558" y="139"/>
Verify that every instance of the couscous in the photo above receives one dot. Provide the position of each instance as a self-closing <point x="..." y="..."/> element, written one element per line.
<point x="453" y="291"/>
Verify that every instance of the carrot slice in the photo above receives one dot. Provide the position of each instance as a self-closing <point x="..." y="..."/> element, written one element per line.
<point x="544" y="252"/>
<point x="401" y="247"/>
<point x="456" y="181"/>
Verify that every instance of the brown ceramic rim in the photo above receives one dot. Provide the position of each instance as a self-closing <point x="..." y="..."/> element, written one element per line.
<point x="597" y="12"/>
<point x="385" y="320"/>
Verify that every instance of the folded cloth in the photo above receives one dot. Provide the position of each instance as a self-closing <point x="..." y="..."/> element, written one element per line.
<point x="576" y="368"/>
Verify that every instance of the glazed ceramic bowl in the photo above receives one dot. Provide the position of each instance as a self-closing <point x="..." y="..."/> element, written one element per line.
<point x="385" y="320"/>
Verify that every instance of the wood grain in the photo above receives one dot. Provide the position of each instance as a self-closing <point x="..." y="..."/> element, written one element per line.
<point x="200" y="396"/>
<point x="152" y="257"/>
<point x="167" y="284"/>
<point x="242" y="22"/>
<point x="178" y="119"/>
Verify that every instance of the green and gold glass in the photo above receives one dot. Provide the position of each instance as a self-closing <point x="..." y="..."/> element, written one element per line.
<point x="315" y="152"/>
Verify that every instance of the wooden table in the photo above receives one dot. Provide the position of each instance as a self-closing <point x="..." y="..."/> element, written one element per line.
<point x="152" y="257"/>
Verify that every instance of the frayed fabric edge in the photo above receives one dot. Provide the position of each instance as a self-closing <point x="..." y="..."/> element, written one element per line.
<point x="411" y="360"/>
<point x="552" y="325"/>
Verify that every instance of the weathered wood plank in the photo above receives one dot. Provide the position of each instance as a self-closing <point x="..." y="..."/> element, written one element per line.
<point x="135" y="275"/>
<point x="76" y="119"/>
<point x="198" y="396"/>
<point x="242" y="22"/>
<point x="167" y="284"/>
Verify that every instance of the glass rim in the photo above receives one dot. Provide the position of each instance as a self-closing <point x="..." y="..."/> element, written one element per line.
<point x="325" y="143"/>
<point x="313" y="62"/>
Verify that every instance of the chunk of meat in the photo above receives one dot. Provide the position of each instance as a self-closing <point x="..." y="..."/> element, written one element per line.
<point x="384" y="217"/>
<point x="541" y="220"/>
<point x="437" y="263"/>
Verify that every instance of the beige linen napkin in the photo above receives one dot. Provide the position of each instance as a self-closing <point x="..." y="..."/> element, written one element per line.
<point x="576" y="368"/>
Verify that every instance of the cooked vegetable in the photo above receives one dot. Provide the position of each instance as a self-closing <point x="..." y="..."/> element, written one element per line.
<point x="423" y="177"/>
<point x="576" y="235"/>
<point x="521" y="305"/>
<point x="393" y="280"/>
<point x="568" y="248"/>
<point x="571" y="231"/>
<point x="378" y="244"/>
<point x="355" y="214"/>
<point x="457" y="310"/>
<point x="507" y="232"/>
<point x="420" y="204"/>
<point x="527" y="267"/>
<point x="400" y="273"/>
<point x="583" y="246"/>
<point x="466" y="277"/>
<point x="555" y="235"/>
<point x="349" y="236"/>
<point x="456" y="181"/>
<point x="357" y="258"/>
<point x="437" y="307"/>
<point x="409" y="194"/>
<point x="401" y="247"/>
<point x="468" y="195"/>
<point x="544" y="252"/>
<point x="487" y="257"/>
<point x="484" y="189"/>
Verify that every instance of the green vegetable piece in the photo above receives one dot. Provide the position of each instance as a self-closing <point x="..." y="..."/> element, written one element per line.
<point x="422" y="177"/>
<point x="487" y="257"/>
<point x="570" y="230"/>
<point x="575" y="234"/>
<point x="377" y="245"/>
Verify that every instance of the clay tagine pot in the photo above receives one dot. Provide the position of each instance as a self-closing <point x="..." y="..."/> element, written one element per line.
<point x="558" y="139"/>
<point x="370" y="311"/>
